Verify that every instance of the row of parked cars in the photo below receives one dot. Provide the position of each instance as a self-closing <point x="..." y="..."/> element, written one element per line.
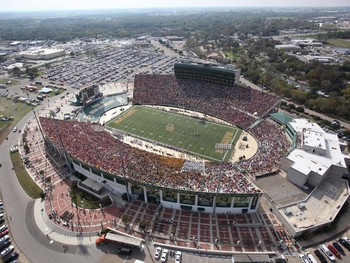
<point x="330" y="251"/>
<point x="163" y="255"/>
<point x="8" y="253"/>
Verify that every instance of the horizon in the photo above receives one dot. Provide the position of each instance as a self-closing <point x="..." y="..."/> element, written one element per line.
<point x="89" y="5"/>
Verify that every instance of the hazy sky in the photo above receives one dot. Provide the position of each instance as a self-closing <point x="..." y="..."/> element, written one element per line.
<point x="27" y="5"/>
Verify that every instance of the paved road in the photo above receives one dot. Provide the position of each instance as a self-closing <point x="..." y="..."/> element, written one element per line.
<point x="30" y="240"/>
<point x="311" y="112"/>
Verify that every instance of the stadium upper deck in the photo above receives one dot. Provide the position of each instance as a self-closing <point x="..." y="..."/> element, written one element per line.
<point x="237" y="105"/>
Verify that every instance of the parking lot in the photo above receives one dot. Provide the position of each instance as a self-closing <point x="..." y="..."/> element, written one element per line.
<point x="96" y="64"/>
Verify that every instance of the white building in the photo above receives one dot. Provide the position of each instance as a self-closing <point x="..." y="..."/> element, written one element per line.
<point x="42" y="53"/>
<point x="317" y="164"/>
<point x="317" y="156"/>
<point x="306" y="42"/>
<point x="287" y="47"/>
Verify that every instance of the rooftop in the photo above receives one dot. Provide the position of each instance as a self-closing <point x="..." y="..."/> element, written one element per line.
<point x="320" y="207"/>
<point x="314" y="136"/>
<point x="314" y="139"/>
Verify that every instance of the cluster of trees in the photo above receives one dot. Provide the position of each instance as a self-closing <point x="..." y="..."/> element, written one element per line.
<point x="272" y="68"/>
<point x="203" y="25"/>
<point x="31" y="72"/>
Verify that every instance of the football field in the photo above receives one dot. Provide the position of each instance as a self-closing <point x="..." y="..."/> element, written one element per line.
<point x="177" y="131"/>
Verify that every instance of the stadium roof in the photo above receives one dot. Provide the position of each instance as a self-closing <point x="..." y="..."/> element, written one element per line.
<point x="92" y="184"/>
<point x="281" y="117"/>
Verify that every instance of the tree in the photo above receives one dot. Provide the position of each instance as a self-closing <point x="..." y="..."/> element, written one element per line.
<point x="16" y="71"/>
<point x="32" y="72"/>
<point x="143" y="225"/>
<point x="298" y="96"/>
<point x="125" y="219"/>
<point x="300" y="109"/>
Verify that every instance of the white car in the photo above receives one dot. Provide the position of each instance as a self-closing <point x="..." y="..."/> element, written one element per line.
<point x="158" y="252"/>
<point x="178" y="257"/>
<point x="310" y="257"/>
<point x="14" y="129"/>
<point x="7" y="251"/>
<point x="327" y="252"/>
<point x="13" y="149"/>
<point x="303" y="258"/>
<point x="164" y="257"/>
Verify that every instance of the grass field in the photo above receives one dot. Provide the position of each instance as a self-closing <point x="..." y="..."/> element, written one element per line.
<point x="28" y="185"/>
<point x="179" y="131"/>
<point x="5" y="81"/>
<point x="345" y="43"/>
<point x="11" y="109"/>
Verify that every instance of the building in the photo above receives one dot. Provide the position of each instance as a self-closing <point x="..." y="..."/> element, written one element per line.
<point x="16" y="46"/>
<point x="42" y="53"/>
<point x="287" y="47"/>
<point x="306" y="42"/>
<point x="325" y="59"/>
<point x="316" y="166"/>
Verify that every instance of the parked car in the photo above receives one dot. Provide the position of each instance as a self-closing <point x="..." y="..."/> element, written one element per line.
<point x="5" y="244"/>
<point x="310" y="257"/>
<point x="334" y="251"/>
<point x="164" y="257"/>
<point x="3" y="227"/>
<point x="4" y="238"/>
<point x="344" y="243"/>
<point x="13" y="256"/>
<point x="320" y="256"/>
<point x="124" y="251"/>
<point x="7" y="251"/>
<point x="303" y="258"/>
<point x="178" y="257"/>
<point x="4" y="232"/>
<point x="158" y="252"/>
<point x="327" y="252"/>
<point x="339" y="248"/>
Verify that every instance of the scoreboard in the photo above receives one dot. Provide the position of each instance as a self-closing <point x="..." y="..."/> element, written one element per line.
<point x="88" y="94"/>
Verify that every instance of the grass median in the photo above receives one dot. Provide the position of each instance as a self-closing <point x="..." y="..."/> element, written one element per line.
<point x="29" y="186"/>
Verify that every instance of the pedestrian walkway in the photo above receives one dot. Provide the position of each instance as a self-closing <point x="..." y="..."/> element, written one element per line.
<point x="62" y="221"/>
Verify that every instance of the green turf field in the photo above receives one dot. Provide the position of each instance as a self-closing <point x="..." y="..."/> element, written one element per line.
<point x="186" y="133"/>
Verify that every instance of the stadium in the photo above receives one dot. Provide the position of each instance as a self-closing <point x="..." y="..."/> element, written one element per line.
<point x="194" y="140"/>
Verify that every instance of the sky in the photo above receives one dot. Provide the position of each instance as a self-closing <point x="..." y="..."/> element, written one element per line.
<point x="36" y="5"/>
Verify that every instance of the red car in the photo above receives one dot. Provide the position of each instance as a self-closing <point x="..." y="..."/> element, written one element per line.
<point x="334" y="251"/>
<point x="4" y="232"/>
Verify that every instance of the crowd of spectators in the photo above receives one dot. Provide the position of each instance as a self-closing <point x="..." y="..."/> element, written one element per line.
<point x="90" y="144"/>
<point x="273" y="145"/>
<point x="234" y="104"/>
<point x="237" y="105"/>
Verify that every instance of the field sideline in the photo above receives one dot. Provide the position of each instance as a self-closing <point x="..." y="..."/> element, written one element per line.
<point x="186" y="133"/>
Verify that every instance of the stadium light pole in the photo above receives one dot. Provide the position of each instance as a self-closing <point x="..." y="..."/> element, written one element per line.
<point x="36" y="118"/>
<point x="52" y="115"/>
<point x="226" y="147"/>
